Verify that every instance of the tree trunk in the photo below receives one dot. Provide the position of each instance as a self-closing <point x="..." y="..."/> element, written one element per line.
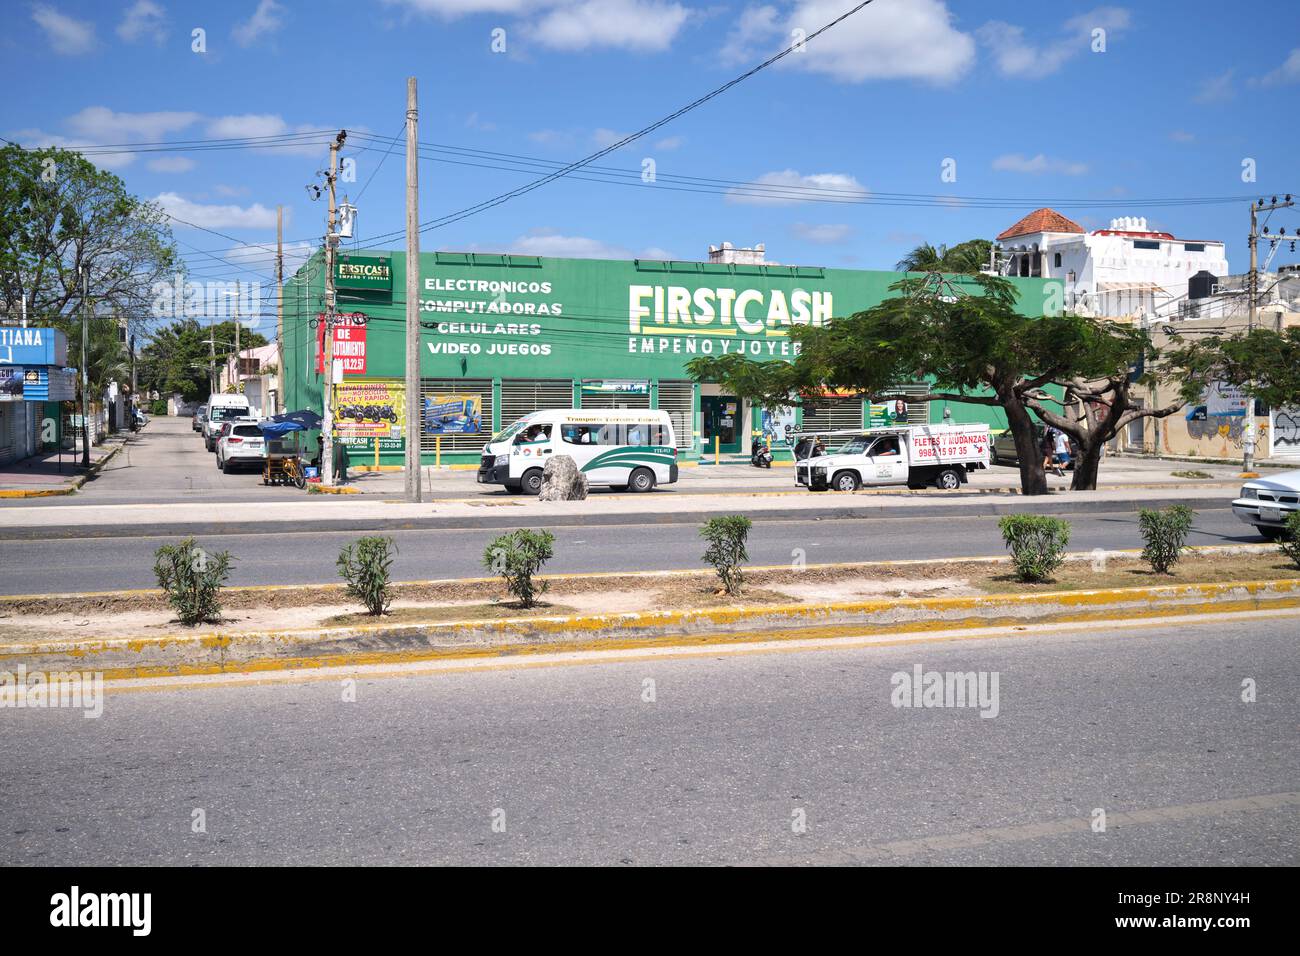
<point x="1032" y="479"/>
<point x="1086" y="466"/>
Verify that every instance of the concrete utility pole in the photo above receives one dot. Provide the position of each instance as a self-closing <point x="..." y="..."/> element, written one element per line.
<point x="280" y="377"/>
<point x="1252" y="294"/>
<point x="331" y="252"/>
<point x="239" y="378"/>
<point x="85" y="369"/>
<point x="212" y="353"/>
<point x="414" y="424"/>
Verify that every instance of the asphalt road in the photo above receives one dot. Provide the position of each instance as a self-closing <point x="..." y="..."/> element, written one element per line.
<point x="307" y="557"/>
<point x="715" y="770"/>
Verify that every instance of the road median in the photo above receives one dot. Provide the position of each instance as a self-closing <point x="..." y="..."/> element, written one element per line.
<point x="211" y="652"/>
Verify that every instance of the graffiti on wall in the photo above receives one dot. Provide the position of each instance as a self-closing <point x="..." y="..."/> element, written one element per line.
<point x="1286" y="432"/>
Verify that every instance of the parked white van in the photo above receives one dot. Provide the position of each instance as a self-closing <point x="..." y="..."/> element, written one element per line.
<point x="626" y="448"/>
<point x="222" y="408"/>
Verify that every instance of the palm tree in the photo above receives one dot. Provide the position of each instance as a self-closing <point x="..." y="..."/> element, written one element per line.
<point x="965" y="258"/>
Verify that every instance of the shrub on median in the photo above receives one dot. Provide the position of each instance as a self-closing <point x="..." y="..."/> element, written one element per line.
<point x="191" y="578"/>
<point x="1165" y="533"/>
<point x="1037" y="545"/>
<point x="1289" y="543"/>
<point x="364" y="565"/>
<point x="727" y="536"/>
<point x="517" y="556"/>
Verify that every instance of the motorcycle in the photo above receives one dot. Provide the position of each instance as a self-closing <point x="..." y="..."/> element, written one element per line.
<point x="761" y="457"/>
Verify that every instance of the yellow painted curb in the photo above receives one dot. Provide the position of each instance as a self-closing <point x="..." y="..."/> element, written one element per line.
<point x="801" y="621"/>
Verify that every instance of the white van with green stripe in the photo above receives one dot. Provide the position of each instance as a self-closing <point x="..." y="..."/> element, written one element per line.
<point x="631" y="449"/>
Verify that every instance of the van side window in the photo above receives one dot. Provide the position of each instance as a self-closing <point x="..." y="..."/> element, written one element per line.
<point x="579" y="434"/>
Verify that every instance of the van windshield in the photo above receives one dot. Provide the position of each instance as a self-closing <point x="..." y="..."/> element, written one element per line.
<point x="510" y="432"/>
<point x="222" y="412"/>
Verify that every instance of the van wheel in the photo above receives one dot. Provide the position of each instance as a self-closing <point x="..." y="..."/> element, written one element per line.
<point x="845" y="481"/>
<point x="949" y="479"/>
<point x="531" y="483"/>
<point x="642" y="479"/>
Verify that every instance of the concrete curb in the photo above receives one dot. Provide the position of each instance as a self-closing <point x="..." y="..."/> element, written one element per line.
<point x="516" y="518"/>
<point x="70" y="488"/>
<point x="197" y="654"/>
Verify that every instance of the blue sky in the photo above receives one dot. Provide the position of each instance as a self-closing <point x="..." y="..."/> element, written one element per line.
<point x="1180" y="96"/>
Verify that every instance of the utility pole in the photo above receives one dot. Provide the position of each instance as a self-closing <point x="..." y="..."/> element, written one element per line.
<point x="1252" y="294"/>
<point x="85" y="369"/>
<point x="280" y="377"/>
<point x="239" y="378"/>
<point x="331" y="246"/>
<point x="414" y="424"/>
<point x="212" y="353"/>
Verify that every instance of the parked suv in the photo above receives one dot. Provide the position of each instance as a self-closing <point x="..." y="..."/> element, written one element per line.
<point x="200" y="417"/>
<point x="241" y="442"/>
<point x="1004" y="448"/>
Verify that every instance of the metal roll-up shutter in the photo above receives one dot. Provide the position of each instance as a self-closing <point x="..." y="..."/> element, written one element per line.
<point x="480" y="387"/>
<point x="615" y="399"/>
<point x="832" y="414"/>
<point x="677" y="398"/>
<point x="523" y="396"/>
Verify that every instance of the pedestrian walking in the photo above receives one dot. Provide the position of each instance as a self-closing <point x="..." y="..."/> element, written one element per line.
<point x="1047" y="446"/>
<point x="1062" y="452"/>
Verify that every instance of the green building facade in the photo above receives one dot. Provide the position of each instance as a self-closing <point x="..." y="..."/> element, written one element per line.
<point x="512" y="334"/>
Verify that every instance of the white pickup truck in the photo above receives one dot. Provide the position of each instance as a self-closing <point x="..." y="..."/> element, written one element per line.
<point x="912" y="455"/>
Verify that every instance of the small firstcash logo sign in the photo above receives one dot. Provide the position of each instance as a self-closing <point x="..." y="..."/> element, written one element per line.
<point x="75" y="908"/>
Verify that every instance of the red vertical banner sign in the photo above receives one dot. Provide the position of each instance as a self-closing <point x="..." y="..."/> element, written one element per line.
<point x="320" y="343"/>
<point x="350" y="347"/>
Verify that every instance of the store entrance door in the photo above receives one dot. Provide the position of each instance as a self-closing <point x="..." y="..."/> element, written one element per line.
<point x="721" y="414"/>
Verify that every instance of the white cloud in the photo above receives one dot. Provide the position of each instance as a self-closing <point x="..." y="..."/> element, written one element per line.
<point x="260" y="257"/>
<point x="1288" y="72"/>
<point x="891" y="39"/>
<point x="40" y="139"/>
<point x="271" y="124"/>
<point x="1016" y="56"/>
<point x="171" y="164"/>
<point x="642" y="25"/>
<point x="795" y="187"/>
<point x="255" y="216"/>
<point x="99" y="124"/>
<point x="670" y="143"/>
<point x="549" y="137"/>
<point x="144" y="18"/>
<point x="474" y="121"/>
<point x="66" y="34"/>
<point x="823" y="234"/>
<point x="607" y="137"/>
<point x="567" y="247"/>
<point x="222" y="189"/>
<point x="452" y="9"/>
<point x="266" y="19"/>
<point x="1216" y="89"/>
<point x="1038" y="165"/>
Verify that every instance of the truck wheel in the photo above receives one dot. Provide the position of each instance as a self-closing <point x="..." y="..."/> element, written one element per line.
<point x="949" y="479"/>
<point x="514" y="489"/>
<point x="845" y="481"/>
<point x="642" y="479"/>
<point x="531" y="483"/>
<point x="1269" y="533"/>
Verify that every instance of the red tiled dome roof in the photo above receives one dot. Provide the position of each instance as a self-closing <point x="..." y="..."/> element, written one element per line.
<point x="1041" y="220"/>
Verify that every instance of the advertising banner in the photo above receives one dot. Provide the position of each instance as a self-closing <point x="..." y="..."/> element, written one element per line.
<point x="11" y="383"/>
<point x="453" y="414"/>
<point x="363" y="272"/>
<point x="350" y="346"/>
<point x="779" y="427"/>
<point x="368" y="411"/>
<point x="1226" y="400"/>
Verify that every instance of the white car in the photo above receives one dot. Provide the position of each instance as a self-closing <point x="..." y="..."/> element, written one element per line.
<point x="1266" y="502"/>
<point x="242" y="443"/>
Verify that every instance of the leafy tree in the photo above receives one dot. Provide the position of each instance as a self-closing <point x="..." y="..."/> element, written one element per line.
<point x="966" y="258"/>
<point x="971" y="348"/>
<point x="1265" y="361"/>
<point x="60" y="215"/>
<point x="177" y="359"/>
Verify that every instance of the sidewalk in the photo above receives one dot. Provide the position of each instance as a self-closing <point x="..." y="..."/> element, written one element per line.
<point x="371" y="513"/>
<point x="53" y="474"/>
